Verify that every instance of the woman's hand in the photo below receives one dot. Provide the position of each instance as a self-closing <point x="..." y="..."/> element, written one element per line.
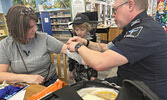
<point x="33" y="79"/>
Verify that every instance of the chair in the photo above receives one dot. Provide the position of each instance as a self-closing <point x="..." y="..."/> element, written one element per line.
<point x="61" y="57"/>
<point x="93" y="31"/>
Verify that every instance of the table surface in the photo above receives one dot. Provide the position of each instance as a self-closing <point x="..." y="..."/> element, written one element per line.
<point x="33" y="89"/>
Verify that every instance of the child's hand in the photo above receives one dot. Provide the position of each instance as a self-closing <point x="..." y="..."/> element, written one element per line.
<point x="92" y="78"/>
<point x="71" y="76"/>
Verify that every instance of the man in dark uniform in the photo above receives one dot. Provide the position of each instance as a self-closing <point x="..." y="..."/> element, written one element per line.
<point x="140" y="50"/>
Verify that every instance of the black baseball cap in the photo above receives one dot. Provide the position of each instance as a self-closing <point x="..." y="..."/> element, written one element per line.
<point x="80" y="18"/>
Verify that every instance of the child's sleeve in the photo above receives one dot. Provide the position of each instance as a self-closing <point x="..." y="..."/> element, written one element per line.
<point x="71" y="64"/>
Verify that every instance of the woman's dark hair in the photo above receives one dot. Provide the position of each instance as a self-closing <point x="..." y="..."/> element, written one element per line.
<point x="18" y="17"/>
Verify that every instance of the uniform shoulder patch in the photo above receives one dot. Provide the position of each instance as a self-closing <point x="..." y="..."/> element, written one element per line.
<point x="134" y="32"/>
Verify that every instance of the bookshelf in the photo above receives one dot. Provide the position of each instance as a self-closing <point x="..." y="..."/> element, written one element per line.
<point x="3" y="26"/>
<point x="59" y="20"/>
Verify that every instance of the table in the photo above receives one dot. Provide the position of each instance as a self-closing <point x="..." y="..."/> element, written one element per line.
<point x="33" y="89"/>
<point x="103" y="29"/>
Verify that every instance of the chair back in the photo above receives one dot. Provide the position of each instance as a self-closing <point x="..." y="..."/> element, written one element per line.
<point x="61" y="66"/>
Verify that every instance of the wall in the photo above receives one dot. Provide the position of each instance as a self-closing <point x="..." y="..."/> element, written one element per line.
<point x="0" y="8"/>
<point x="5" y="4"/>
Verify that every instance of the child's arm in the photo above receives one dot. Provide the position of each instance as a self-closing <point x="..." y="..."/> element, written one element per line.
<point x="71" y="76"/>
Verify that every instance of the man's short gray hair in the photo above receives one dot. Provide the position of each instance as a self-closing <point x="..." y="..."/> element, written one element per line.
<point x="140" y="4"/>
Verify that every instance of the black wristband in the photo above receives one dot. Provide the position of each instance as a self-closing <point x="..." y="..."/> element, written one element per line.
<point x="87" y="43"/>
<point x="77" y="46"/>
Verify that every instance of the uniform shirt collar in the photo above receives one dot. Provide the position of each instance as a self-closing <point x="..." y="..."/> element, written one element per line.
<point x="136" y="20"/>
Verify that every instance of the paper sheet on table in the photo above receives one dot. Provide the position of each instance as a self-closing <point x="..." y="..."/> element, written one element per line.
<point x="18" y="96"/>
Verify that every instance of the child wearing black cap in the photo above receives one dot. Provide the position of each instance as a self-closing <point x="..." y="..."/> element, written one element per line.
<point x="80" y="72"/>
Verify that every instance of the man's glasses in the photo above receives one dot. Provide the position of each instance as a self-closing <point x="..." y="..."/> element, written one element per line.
<point x="114" y="10"/>
<point x="27" y="11"/>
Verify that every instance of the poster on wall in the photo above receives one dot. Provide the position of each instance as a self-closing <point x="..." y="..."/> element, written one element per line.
<point x="161" y="12"/>
<point x="28" y="3"/>
<point x="50" y="5"/>
<point x="77" y="6"/>
<point x="18" y="2"/>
